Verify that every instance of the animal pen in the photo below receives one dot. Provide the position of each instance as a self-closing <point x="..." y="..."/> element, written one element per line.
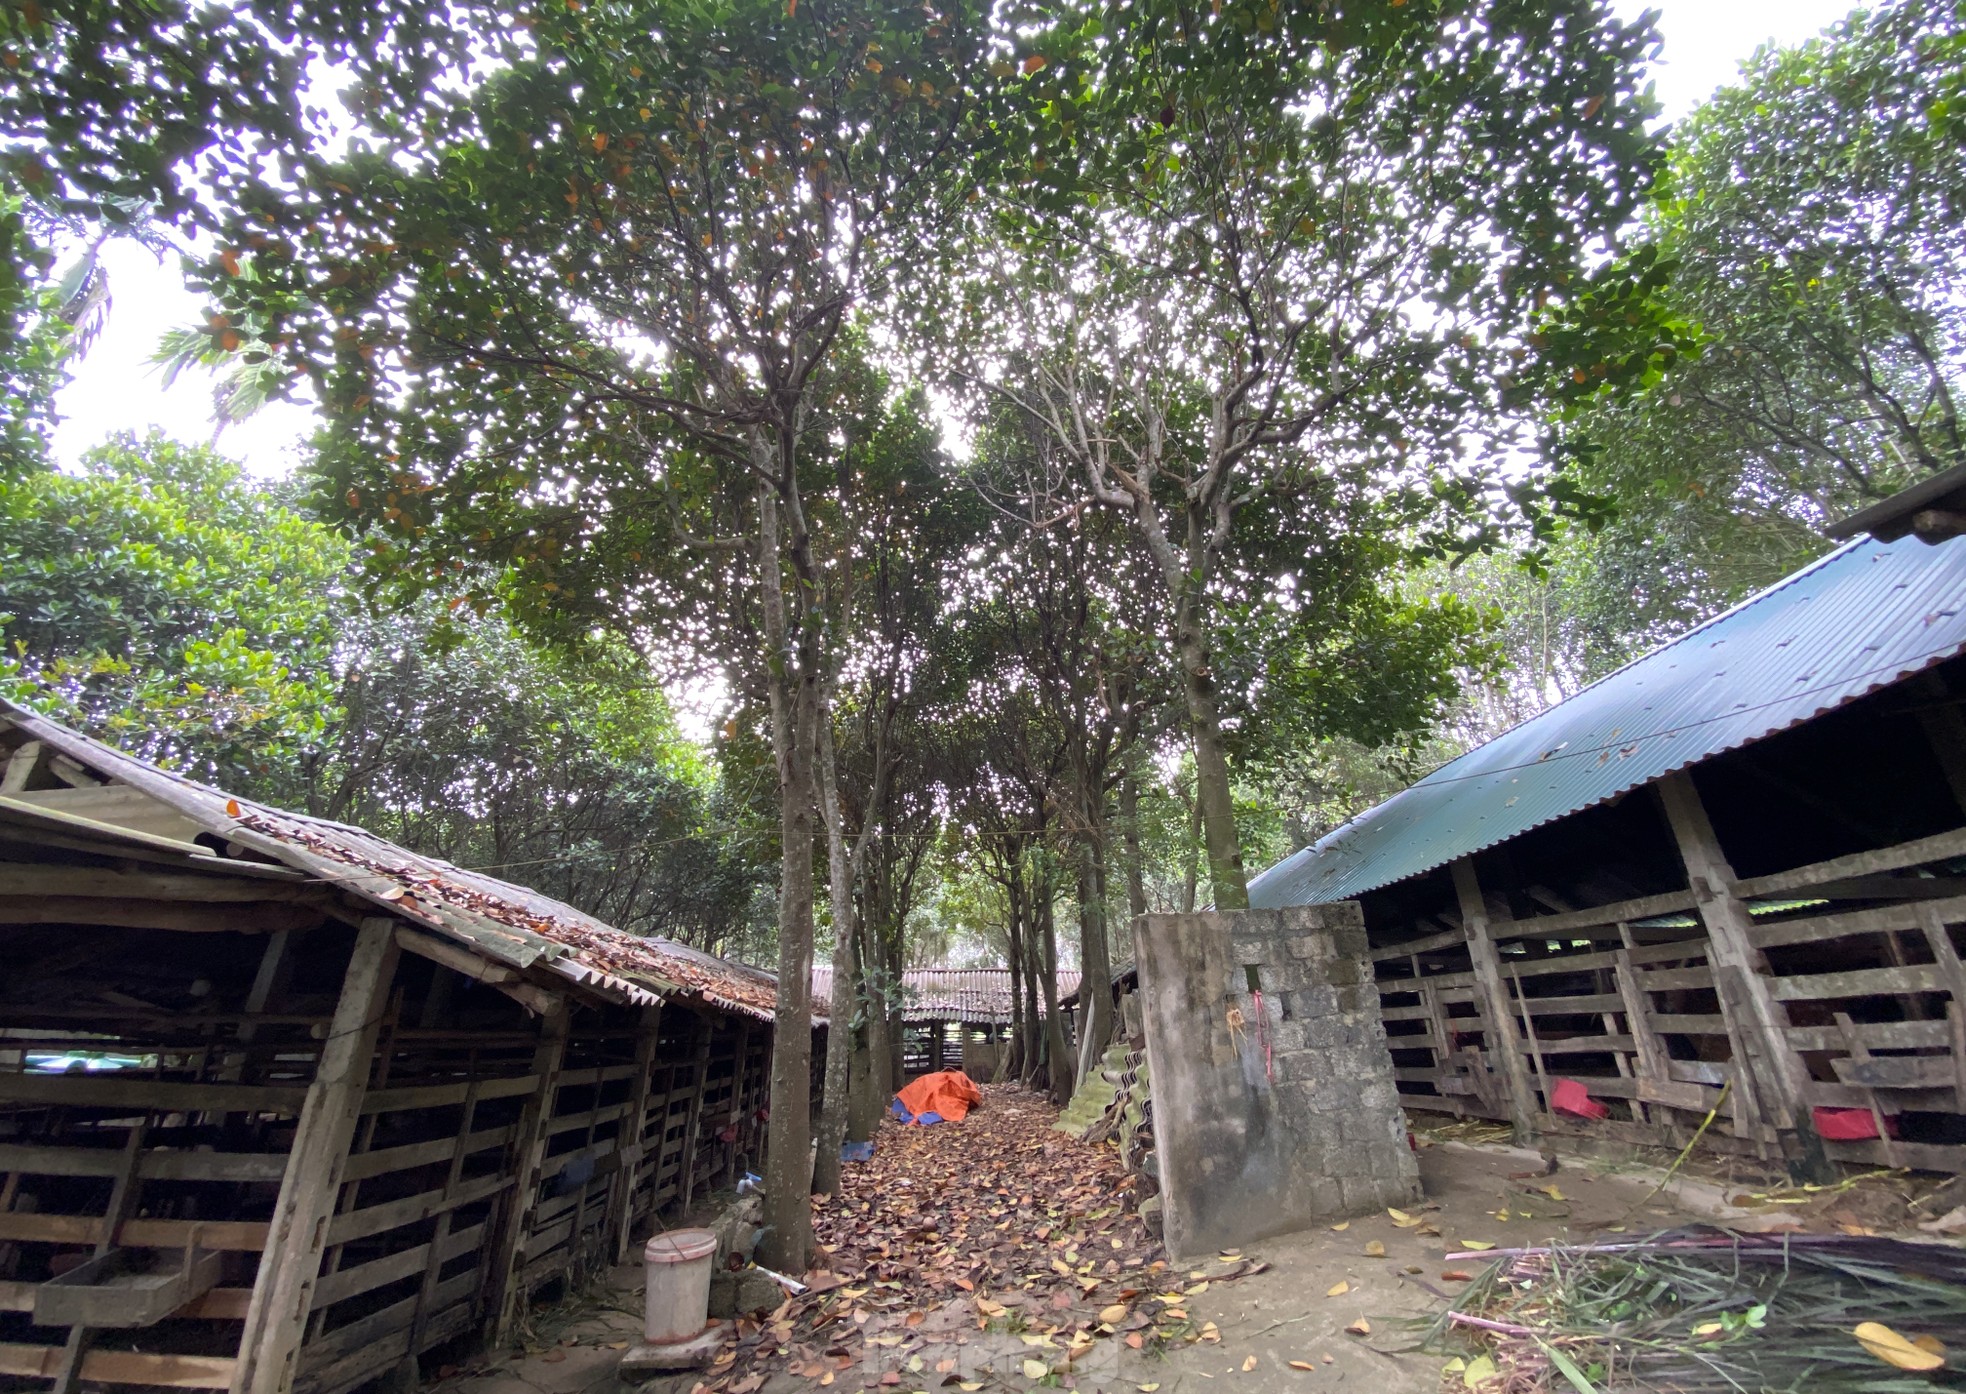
<point x="1728" y="878"/>
<point x="283" y="1106"/>
<point x="972" y="1005"/>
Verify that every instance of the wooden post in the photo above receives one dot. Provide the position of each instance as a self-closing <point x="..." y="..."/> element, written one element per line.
<point x="1776" y="1074"/>
<point x="122" y="1200"/>
<point x="634" y="1131"/>
<point x="434" y="1263"/>
<point x="529" y="1153"/>
<point x="1504" y="1043"/>
<point x="1535" y="1046"/>
<point x="290" y="1264"/>
<point x="693" y="1130"/>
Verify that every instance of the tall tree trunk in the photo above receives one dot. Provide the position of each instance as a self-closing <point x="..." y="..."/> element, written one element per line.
<point x="1214" y="798"/>
<point x="1136" y="861"/>
<point x="1011" y="1065"/>
<point x="1194" y="858"/>
<point x="1095" y="958"/>
<point x="795" y="700"/>
<point x="897" y="1006"/>
<point x="1034" y="1061"/>
<point x="1057" y="1050"/>
<point x="874" y="976"/>
<point x="839" y="1034"/>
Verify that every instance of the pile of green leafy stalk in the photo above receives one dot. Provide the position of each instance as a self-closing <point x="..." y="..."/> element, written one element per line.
<point x="1705" y="1310"/>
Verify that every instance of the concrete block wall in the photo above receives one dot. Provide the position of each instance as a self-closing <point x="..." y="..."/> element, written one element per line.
<point x="1275" y="1118"/>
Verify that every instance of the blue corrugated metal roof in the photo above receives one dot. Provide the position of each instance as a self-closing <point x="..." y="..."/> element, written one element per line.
<point x="1859" y="619"/>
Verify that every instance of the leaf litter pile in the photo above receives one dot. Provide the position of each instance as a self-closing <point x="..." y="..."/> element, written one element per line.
<point x="991" y="1253"/>
<point x="1701" y="1309"/>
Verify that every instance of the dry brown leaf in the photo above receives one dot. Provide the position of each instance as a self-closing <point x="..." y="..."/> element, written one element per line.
<point x="1895" y="1350"/>
<point x="1375" y="1248"/>
<point x="1248" y="1363"/>
<point x="1338" y="1289"/>
<point x="1301" y="1365"/>
<point x="1361" y="1327"/>
<point x="1114" y="1314"/>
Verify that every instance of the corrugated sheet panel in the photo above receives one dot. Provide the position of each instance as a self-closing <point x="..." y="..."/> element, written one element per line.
<point x="979" y="995"/>
<point x="1863" y="617"/>
<point x="501" y="921"/>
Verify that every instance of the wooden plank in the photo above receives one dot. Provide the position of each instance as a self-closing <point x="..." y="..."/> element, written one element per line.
<point x="406" y="1263"/>
<point x="153" y="1165"/>
<point x="1939" y="847"/>
<point x="291" y="1266"/>
<point x="1884" y="919"/>
<point x="351" y="1225"/>
<point x="1858" y="982"/>
<point x="1592" y="960"/>
<point x="1450" y="938"/>
<point x="479" y="967"/>
<point x="1643" y="907"/>
<point x="256" y="917"/>
<point x="1925" y="1156"/>
<point x="1877" y="1035"/>
<point x="364" y="1165"/>
<point x="122" y="1367"/>
<point x="41" y="879"/>
<point x="21" y="765"/>
<point x="118" y="805"/>
<point x="136" y="1233"/>
<point x="1571" y="1006"/>
<point x="425" y="1096"/>
<point x="1689" y="1024"/>
<point x="1671" y="979"/>
<point x="118" y="1090"/>
<point x="573" y="1122"/>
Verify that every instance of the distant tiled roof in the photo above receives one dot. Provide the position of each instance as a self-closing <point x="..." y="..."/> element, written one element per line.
<point x="948" y="994"/>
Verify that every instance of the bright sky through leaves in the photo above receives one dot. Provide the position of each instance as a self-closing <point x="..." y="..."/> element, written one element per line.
<point x="116" y="389"/>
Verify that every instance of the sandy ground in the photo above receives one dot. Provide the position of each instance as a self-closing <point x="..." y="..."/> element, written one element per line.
<point x="1396" y="1279"/>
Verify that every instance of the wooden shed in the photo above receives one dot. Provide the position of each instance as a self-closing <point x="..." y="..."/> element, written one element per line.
<point x="952" y="1017"/>
<point x="1730" y="876"/>
<point x="284" y="1106"/>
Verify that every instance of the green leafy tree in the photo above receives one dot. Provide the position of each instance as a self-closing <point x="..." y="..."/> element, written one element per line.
<point x="122" y="119"/>
<point x="162" y="601"/>
<point x="1210" y="292"/>
<point x="1812" y="234"/>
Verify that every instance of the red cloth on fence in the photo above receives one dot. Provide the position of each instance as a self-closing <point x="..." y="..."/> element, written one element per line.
<point x="1568" y="1096"/>
<point x="1849" y="1124"/>
<point x="949" y="1093"/>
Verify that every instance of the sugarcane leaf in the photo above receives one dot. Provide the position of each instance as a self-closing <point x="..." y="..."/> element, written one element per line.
<point x="1568" y="1369"/>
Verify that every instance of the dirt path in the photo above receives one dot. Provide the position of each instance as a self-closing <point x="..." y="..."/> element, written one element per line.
<point x="998" y="1255"/>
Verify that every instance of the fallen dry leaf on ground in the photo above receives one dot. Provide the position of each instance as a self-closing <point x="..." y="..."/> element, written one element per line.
<point x="1017" y="1223"/>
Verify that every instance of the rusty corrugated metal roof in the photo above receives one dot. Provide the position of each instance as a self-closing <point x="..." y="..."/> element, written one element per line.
<point x="1866" y="616"/>
<point x="948" y="994"/>
<point x="497" y="919"/>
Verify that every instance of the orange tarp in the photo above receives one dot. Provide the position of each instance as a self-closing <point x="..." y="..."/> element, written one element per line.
<point x="950" y="1093"/>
